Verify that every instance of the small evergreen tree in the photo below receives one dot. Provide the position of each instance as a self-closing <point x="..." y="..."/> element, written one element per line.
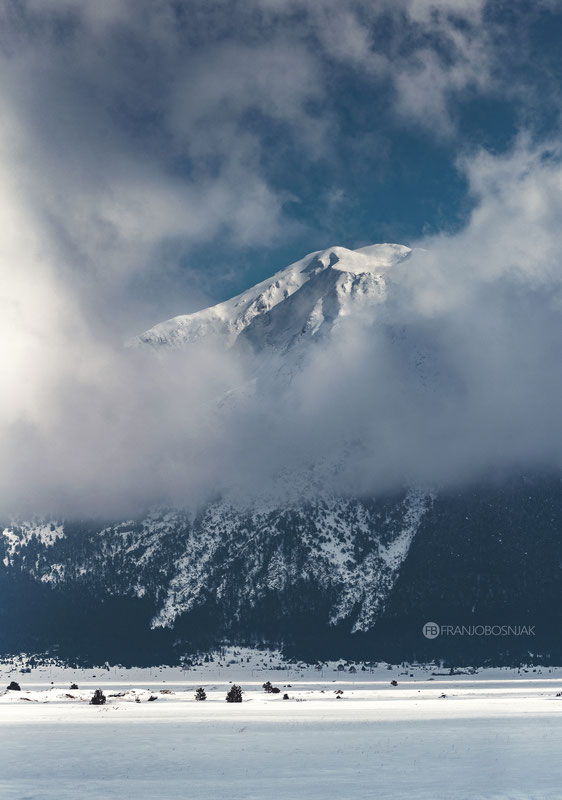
<point x="267" y="687"/>
<point x="200" y="694"/>
<point x="235" y="694"/>
<point x="14" y="687"/>
<point x="74" y="686"/>
<point x="98" y="699"/>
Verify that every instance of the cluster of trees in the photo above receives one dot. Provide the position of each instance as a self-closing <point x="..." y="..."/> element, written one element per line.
<point x="234" y="694"/>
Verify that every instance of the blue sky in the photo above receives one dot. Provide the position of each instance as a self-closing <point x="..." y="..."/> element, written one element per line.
<point x="177" y="152"/>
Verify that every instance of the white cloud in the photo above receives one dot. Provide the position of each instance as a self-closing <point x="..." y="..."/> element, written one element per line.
<point x="428" y="52"/>
<point x="513" y="233"/>
<point x="133" y="141"/>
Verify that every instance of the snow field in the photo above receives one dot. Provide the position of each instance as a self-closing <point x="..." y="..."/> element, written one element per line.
<point x="495" y="735"/>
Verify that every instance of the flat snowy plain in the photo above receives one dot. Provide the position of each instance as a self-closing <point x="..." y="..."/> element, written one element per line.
<point x="495" y="735"/>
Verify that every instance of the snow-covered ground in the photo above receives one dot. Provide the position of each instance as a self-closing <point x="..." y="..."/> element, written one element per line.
<point x="495" y="734"/>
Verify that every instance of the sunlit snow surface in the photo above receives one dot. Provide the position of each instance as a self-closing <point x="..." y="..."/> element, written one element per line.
<point x="291" y="303"/>
<point x="496" y="734"/>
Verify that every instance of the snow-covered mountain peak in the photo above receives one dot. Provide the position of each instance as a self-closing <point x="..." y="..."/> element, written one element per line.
<point x="300" y="300"/>
<point x="383" y="255"/>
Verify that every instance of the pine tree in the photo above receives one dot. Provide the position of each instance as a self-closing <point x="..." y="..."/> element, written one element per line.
<point x="235" y="694"/>
<point x="98" y="699"/>
<point x="267" y="687"/>
<point x="200" y="694"/>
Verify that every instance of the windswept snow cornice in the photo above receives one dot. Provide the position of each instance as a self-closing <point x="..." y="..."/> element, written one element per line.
<point x="321" y="279"/>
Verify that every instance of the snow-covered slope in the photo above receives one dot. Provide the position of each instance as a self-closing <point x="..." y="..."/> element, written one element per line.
<point x="302" y="300"/>
<point x="44" y="533"/>
<point x="350" y="550"/>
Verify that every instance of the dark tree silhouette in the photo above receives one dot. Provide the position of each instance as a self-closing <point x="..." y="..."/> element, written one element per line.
<point x="200" y="694"/>
<point x="14" y="687"/>
<point x="235" y="694"/>
<point x="98" y="699"/>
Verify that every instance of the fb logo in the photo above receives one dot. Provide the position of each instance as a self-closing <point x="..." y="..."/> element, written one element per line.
<point x="431" y="630"/>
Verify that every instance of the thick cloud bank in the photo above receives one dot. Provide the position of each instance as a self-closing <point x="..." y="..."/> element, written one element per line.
<point x="457" y="374"/>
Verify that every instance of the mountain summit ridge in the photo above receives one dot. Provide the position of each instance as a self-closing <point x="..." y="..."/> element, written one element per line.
<point x="304" y="297"/>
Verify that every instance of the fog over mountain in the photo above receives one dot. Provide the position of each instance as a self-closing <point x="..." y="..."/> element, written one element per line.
<point x="360" y="371"/>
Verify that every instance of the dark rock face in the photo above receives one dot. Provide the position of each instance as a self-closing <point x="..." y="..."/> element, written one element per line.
<point x="326" y="578"/>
